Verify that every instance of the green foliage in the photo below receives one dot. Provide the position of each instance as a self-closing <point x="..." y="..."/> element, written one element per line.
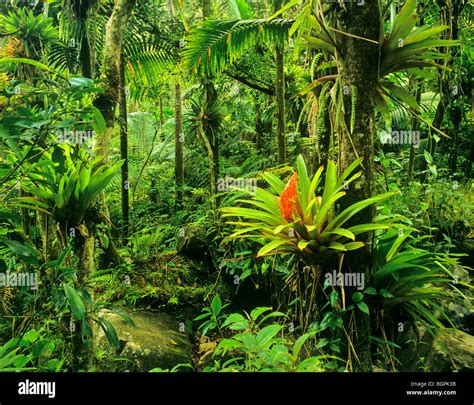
<point x="413" y="280"/>
<point x="68" y="187"/>
<point x="85" y="310"/>
<point x="31" y="352"/>
<point x="216" y="44"/>
<point x="263" y="348"/>
<point x="315" y="229"/>
<point x="34" y="31"/>
<point x="212" y="314"/>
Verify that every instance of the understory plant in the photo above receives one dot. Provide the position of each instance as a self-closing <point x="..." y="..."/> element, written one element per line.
<point x="302" y="217"/>
<point x="260" y="347"/>
<point x="414" y="281"/>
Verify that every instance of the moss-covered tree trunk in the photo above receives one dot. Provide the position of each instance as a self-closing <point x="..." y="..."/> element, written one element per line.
<point x="124" y="147"/>
<point x="280" y="101"/>
<point x="211" y="141"/>
<point x="107" y="101"/>
<point x="360" y="63"/>
<point x="178" y="146"/>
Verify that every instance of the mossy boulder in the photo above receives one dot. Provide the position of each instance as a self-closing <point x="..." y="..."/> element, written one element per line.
<point x="167" y="283"/>
<point x="155" y="340"/>
<point x="451" y="350"/>
<point x="443" y="350"/>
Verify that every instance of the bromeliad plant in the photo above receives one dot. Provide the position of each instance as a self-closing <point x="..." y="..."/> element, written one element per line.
<point x="414" y="282"/>
<point x="301" y="217"/>
<point x="66" y="187"/>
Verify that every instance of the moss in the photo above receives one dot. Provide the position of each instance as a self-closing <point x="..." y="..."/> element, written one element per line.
<point x="165" y="282"/>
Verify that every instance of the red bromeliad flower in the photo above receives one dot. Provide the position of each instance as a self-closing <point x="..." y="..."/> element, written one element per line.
<point x="288" y="198"/>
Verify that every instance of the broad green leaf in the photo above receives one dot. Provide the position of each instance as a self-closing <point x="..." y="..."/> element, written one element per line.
<point x="110" y="332"/>
<point x="80" y="81"/>
<point x="216" y="305"/>
<point x="363" y="307"/>
<point x="274" y="244"/>
<point x="75" y="302"/>
<point x="302" y="244"/>
<point x="267" y="334"/>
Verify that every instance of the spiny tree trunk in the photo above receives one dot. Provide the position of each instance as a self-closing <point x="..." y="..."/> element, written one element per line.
<point x="360" y="61"/>
<point x="178" y="145"/>
<point x="124" y="147"/>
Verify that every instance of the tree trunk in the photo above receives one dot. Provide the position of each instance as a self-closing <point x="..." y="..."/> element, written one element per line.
<point x="211" y="142"/>
<point x="206" y="9"/>
<point x="280" y="101"/>
<point x="107" y="101"/>
<point x="456" y="112"/>
<point x="415" y="127"/>
<point x="360" y="61"/>
<point x="85" y="56"/>
<point x="124" y="148"/>
<point x="178" y="146"/>
<point x="210" y="154"/>
<point x="258" y="125"/>
<point x="162" y="115"/>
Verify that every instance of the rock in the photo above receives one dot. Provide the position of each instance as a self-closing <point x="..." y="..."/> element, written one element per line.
<point x="460" y="273"/>
<point x="192" y="242"/>
<point x="461" y="315"/>
<point x="448" y="350"/>
<point x="451" y="350"/>
<point x="154" y="342"/>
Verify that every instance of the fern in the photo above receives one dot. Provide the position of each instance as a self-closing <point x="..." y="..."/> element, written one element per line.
<point x="320" y="124"/>
<point x="353" y="106"/>
<point x="314" y="63"/>
<point x="215" y="44"/>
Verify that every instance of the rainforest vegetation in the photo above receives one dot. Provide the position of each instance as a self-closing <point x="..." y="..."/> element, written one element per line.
<point x="236" y="185"/>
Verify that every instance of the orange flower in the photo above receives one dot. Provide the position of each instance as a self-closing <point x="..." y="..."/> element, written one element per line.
<point x="288" y="197"/>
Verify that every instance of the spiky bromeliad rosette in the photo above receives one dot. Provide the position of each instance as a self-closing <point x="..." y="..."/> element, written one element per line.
<point x="300" y="216"/>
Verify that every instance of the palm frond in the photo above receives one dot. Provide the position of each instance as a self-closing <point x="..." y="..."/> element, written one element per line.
<point x="215" y="44"/>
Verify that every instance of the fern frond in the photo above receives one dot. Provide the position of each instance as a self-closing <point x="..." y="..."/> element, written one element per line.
<point x="215" y="44"/>
<point x="353" y="107"/>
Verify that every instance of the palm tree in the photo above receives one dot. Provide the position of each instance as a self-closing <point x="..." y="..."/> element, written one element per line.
<point x="216" y="44"/>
